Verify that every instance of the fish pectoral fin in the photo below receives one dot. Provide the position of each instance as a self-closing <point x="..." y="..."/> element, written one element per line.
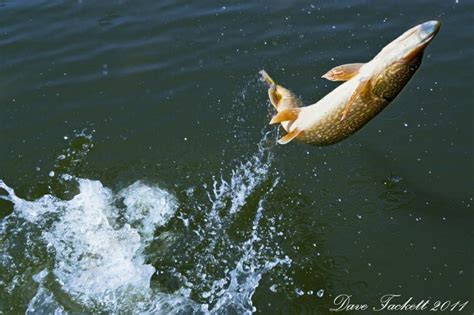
<point x="286" y="115"/>
<point x="289" y="136"/>
<point x="361" y="89"/>
<point x="343" y="72"/>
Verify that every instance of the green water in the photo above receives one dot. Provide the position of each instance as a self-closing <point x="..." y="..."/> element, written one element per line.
<point x="176" y="198"/>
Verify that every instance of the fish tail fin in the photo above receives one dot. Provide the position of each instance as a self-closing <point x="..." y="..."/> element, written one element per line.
<point x="280" y="97"/>
<point x="266" y="78"/>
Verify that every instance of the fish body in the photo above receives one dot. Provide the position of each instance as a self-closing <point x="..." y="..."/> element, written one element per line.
<point x="368" y="89"/>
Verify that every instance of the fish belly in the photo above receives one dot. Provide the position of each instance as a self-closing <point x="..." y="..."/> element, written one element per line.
<point x="329" y="128"/>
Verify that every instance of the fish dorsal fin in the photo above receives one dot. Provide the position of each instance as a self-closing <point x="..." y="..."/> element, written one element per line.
<point x="343" y="72"/>
<point x="289" y="136"/>
<point x="286" y="115"/>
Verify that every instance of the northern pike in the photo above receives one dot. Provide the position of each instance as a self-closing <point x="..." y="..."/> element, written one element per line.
<point x="368" y="88"/>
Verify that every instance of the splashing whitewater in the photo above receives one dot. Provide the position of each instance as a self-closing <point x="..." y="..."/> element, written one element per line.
<point x="90" y="251"/>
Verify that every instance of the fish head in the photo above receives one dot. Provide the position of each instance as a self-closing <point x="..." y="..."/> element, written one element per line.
<point x="393" y="67"/>
<point x="410" y="44"/>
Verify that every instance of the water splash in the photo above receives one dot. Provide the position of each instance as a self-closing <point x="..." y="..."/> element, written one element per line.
<point x="43" y="301"/>
<point x="231" y="260"/>
<point x="246" y="275"/>
<point x="93" y="246"/>
<point x="97" y="261"/>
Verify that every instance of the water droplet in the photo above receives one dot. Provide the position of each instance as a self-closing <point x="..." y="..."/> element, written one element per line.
<point x="273" y="288"/>
<point x="299" y="291"/>
<point x="320" y="293"/>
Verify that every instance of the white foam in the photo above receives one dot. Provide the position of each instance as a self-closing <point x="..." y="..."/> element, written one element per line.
<point x="98" y="262"/>
<point x="110" y="260"/>
<point x="44" y="302"/>
<point x="155" y="204"/>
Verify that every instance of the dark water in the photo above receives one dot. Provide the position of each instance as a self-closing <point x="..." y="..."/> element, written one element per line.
<point x="139" y="174"/>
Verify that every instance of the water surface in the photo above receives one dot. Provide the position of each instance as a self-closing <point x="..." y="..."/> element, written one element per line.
<point x="138" y="172"/>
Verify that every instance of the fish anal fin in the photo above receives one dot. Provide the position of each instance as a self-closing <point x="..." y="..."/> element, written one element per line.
<point x="289" y="136"/>
<point x="343" y="72"/>
<point x="360" y="91"/>
<point x="285" y="115"/>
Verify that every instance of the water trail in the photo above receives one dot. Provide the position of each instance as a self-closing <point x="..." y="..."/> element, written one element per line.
<point x="246" y="275"/>
<point x="226" y="269"/>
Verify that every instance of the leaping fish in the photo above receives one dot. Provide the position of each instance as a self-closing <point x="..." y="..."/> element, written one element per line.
<point x="368" y="89"/>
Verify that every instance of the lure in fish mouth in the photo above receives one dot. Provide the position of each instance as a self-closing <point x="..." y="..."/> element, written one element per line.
<point x="368" y="88"/>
